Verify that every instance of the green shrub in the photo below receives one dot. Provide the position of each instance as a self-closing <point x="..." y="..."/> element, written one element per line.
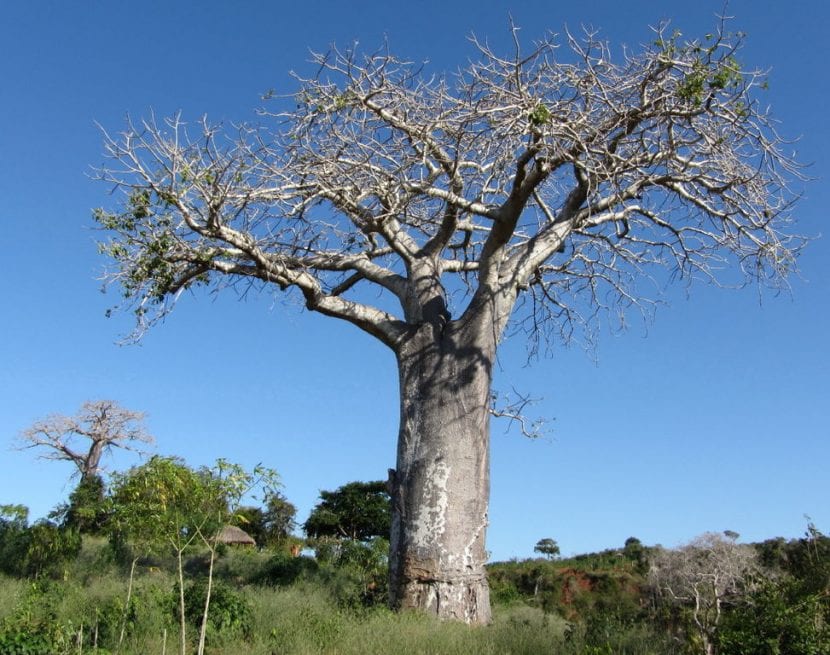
<point x="229" y="612"/>
<point x="241" y="565"/>
<point x="282" y="570"/>
<point x="35" y="626"/>
<point x="777" y="620"/>
<point x="26" y="639"/>
<point x="49" y="548"/>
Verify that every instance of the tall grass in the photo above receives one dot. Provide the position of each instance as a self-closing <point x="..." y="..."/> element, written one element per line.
<point x="303" y="620"/>
<point x="12" y="592"/>
<point x="308" y="614"/>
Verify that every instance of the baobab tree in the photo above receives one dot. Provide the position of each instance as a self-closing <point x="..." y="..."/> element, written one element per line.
<point x="104" y="424"/>
<point x="526" y="192"/>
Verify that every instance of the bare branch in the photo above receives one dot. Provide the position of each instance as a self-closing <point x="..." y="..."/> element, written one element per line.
<point x="568" y="174"/>
<point x="513" y="407"/>
<point x="704" y="575"/>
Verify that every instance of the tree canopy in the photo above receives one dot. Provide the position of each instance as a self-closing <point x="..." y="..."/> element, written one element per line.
<point x="357" y="510"/>
<point x="547" y="547"/>
<point x="270" y="524"/>
<point x="104" y="423"/>
<point x="562" y="173"/>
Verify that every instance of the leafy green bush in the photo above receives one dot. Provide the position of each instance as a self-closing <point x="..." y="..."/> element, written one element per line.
<point x="49" y="548"/>
<point x="778" y="620"/>
<point x="26" y="639"/>
<point x="35" y="627"/>
<point x="356" y="572"/>
<point x="86" y="510"/>
<point x="240" y="565"/>
<point x="282" y="570"/>
<point x="229" y="612"/>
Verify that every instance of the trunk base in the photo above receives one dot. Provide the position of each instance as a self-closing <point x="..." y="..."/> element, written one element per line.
<point x="462" y="600"/>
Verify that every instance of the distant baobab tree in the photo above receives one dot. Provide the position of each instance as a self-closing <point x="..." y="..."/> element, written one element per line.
<point x="83" y="439"/>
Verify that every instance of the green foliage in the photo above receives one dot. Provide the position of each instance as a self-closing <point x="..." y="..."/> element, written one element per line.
<point x="540" y="115"/>
<point x="14" y="516"/>
<point x="96" y="560"/>
<point x="271" y="525"/>
<point x="151" y="265"/>
<point x="357" y="510"/>
<point x="635" y="552"/>
<point x="77" y="612"/>
<point x="790" y="613"/>
<point x="564" y="588"/>
<point x="608" y="635"/>
<point x="547" y="547"/>
<point x="357" y="572"/>
<point x="264" y="605"/>
<point x="283" y="570"/>
<point x="33" y="638"/>
<point x="164" y="503"/>
<point x="279" y="517"/>
<point x="36" y="628"/>
<point x="86" y="511"/>
<point x="703" y="70"/>
<point x="230" y="613"/>
<point x="49" y="548"/>
<point x="778" y="619"/>
<point x="14" y="538"/>
<point x="808" y="561"/>
<point x="593" y="604"/>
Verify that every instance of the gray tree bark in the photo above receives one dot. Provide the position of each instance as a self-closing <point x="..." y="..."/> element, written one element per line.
<point x="440" y="489"/>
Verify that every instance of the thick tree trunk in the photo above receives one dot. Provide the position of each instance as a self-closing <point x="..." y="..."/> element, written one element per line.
<point x="440" y="489"/>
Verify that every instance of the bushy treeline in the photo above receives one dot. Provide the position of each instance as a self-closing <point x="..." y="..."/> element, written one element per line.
<point x="133" y="566"/>
<point x="263" y="602"/>
<point x="711" y="596"/>
<point x="142" y="558"/>
<point x="271" y="602"/>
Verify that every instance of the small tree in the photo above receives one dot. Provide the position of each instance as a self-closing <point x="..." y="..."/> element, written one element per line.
<point x="702" y="578"/>
<point x="279" y="517"/>
<point x="223" y="488"/>
<point x="271" y="524"/>
<point x="166" y="503"/>
<point x="634" y="551"/>
<point x="547" y="547"/>
<point x="357" y="510"/>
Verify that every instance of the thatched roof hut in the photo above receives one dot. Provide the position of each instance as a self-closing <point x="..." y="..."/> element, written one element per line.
<point x="234" y="536"/>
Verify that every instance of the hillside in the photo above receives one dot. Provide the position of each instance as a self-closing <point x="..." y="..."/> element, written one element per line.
<point x="598" y="603"/>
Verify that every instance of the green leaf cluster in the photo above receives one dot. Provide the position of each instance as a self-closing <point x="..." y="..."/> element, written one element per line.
<point x="708" y="77"/>
<point x="357" y="510"/>
<point x="709" y="73"/>
<point x="539" y="115"/>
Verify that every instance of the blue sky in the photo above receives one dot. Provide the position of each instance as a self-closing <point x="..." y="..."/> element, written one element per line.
<point x="715" y="416"/>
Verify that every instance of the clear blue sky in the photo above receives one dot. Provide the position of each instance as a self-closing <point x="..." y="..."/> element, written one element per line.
<point x="713" y="417"/>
